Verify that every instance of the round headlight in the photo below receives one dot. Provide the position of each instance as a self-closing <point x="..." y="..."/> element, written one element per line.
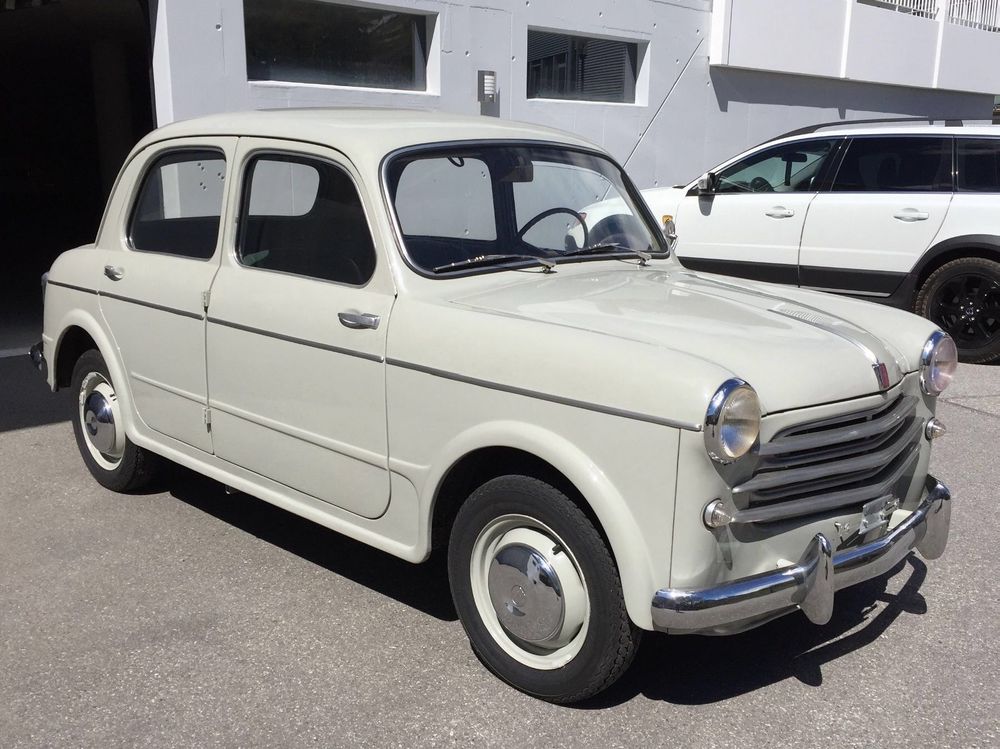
<point x="732" y="421"/>
<point x="938" y="362"/>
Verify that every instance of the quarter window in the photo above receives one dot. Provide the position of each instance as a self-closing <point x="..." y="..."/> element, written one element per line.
<point x="978" y="164"/>
<point x="790" y="167"/>
<point x="304" y="216"/>
<point x="313" y="41"/>
<point x="898" y="164"/>
<point x="180" y="204"/>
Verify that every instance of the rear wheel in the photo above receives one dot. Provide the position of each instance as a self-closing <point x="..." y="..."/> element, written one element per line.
<point x="108" y="453"/>
<point x="963" y="298"/>
<point x="538" y="592"/>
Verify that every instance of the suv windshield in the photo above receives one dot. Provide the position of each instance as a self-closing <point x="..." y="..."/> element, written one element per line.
<point x="479" y="207"/>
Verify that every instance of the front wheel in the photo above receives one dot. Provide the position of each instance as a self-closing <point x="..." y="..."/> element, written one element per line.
<point x="108" y="453"/>
<point x="538" y="592"/>
<point x="963" y="298"/>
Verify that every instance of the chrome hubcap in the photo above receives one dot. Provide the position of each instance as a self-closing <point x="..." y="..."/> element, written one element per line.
<point x="99" y="418"/>
<point x="529" y="591"/>
<point x="99" y="421"/>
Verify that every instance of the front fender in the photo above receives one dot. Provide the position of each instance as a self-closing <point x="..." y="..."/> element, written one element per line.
<point x="616" y="517"/>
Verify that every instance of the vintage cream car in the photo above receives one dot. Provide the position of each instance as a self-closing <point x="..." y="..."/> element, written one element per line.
<point x="399" y="325"/>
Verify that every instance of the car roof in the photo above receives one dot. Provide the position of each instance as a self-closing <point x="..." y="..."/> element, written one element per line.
<point x="371" y="132"/>
<point x="846" y="129"/>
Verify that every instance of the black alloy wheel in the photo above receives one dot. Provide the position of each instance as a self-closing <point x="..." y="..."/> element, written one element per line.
<point x="963" y="298"/>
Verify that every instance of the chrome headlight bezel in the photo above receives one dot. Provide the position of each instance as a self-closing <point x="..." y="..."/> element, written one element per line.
<point x="938" y="361"/>
<point x="731" y="395"/>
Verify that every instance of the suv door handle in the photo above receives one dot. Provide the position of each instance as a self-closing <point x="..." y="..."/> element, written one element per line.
<point x="911" y="214"/>
<point x="358" y="320"/>
<point x="114" y="272"/>
<point x="779" y="211"/>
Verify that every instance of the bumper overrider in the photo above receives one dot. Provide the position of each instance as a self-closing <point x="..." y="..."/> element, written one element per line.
<point x="38" y="359"/>
<point x="809" y="585"/>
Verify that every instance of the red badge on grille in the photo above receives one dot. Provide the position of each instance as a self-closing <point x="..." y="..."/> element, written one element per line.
<point x="882" y="375"/>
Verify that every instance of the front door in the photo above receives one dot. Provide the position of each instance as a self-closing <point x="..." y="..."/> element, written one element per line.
<point x="297" y="325"/>
<point x="152" y="291"/>
<point x="750" y="224"/>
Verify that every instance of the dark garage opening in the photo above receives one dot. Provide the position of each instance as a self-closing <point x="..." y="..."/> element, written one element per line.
<point x="75" y="96"/>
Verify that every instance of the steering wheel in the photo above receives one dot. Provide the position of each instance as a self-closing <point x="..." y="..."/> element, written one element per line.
<point x="552" y="212"/>
<point x="759" y="184"/>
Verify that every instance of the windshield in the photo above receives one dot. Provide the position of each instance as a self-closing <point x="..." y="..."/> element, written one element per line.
<point x="478" y="207"/>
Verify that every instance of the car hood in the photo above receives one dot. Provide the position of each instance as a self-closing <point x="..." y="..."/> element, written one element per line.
<point x="794" y="353"/>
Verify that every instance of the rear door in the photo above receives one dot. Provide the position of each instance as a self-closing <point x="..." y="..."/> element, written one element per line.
<point x="154" y="282"/>
<point x="887" y="203"/>
<point x="296" y="329"/>
<point x="751" y="223"/>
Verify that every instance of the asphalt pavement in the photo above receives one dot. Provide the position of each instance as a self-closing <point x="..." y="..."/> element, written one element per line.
<point x="189" y="617"/>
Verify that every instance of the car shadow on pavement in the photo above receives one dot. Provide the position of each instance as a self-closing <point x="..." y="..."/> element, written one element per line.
<point x="27" y="400"/>
<point x="698" y="670"/>
<point x="421" y="586"/>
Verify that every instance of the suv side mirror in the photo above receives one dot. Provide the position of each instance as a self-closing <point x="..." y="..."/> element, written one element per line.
<point x="706" y="183"/>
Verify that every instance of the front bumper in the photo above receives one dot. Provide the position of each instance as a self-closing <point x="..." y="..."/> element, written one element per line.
<point x="810" y="584"/>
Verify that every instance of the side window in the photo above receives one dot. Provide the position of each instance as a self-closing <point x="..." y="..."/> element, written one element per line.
<point x="179" y="205"/>
<point x="790" y="167"/>
<point x="978" y="164"/>
<point x="896" y="164"/>
<point x="304" y="216"/>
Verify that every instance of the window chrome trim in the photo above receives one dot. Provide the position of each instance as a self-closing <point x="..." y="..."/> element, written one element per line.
<point x="644" y="212"/>
<point x="514" y="390"/>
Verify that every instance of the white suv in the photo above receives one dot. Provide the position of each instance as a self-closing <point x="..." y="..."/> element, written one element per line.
<point x="906" y="215"/>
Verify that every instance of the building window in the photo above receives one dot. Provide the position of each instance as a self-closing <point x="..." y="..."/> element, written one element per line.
<point x="561" y="66"/>
<point x="312" y="41"/>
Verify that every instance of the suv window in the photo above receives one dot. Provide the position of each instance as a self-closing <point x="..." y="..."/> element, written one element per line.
<point x="304" y="216"/>
<point x="179" y="205"/>
<point x="896" y="164"/>
<point x="978" y="164"/>
<point x="790" y="167"/>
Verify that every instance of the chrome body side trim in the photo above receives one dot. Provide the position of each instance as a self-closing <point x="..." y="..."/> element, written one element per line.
<point x="809" y="585"/>
<point x="300" y="341"/>
<point x="610" y="410"/>
<point x="160" y="307"/>
<point x="50" y="282"/>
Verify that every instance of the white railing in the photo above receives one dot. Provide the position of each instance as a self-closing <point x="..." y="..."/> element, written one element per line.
<point x="922" y="8"/>
<point x="976" y="14"/>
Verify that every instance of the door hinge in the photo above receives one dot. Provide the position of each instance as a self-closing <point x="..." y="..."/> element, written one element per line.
<point x="206" y="297"/>
<point x="207" y="414"/>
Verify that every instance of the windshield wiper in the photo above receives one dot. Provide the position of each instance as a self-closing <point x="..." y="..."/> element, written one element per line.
<point x="494" y="260"/>
<point x="607" y="249"/>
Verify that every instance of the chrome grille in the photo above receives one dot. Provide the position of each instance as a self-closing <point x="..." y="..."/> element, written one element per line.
<point x="832" y="463"/>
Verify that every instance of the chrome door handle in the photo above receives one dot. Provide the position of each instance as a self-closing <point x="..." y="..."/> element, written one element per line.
<point x="779" y="211"/>
<point x="910" y="214"/>
<point x="358" y="320"/>
<point x="114" y="272"/>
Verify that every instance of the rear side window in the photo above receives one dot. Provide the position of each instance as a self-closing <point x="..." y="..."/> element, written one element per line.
<point x="978" y="164"/>
<point x="896" y="164"/>
<point x="179" y="205"/>
<point x="304" y="216"/>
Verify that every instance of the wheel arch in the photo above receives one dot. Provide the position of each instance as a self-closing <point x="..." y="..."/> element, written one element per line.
<point x="493" y="450"/>
<point x="953" y="248"/>
<point x="78" y="332"/>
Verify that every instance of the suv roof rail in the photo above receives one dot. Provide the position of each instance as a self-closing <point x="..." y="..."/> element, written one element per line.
<point x="948" y="122"/>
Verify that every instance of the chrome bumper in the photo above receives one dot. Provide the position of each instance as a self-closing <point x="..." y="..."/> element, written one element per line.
<point x="810" y="584"/>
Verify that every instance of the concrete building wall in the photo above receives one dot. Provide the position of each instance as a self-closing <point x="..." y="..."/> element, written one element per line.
<point x="687" y="116"/>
